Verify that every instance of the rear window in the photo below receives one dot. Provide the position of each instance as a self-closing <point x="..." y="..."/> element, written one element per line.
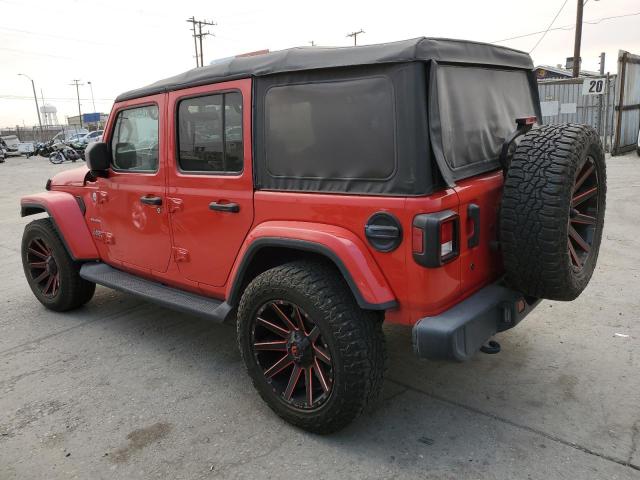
<point x="331" y="130"/>
<point x="478" y="108"/>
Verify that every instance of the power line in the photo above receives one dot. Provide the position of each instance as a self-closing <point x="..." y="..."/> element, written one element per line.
<point x="567" y="27"/>
<point x="58" y="99"/>
<point x="70" y="39"/>
<point x="550" y="25"/>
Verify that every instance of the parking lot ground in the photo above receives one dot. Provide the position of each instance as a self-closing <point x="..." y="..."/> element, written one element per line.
<point x="125" y="389"/>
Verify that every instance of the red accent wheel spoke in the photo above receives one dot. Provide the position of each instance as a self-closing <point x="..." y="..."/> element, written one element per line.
<point x="584" y="219"/>
<point x="308" y="380"/>
<point x="275" y="346"/>
<point x="277" y="367"/>
<point x="590" y="169"/>
<point x="273" y="327"/>
<point x="314" y="334"/>
<point x="41" y="277"/>
<point x="322" y="354"/>
<point x="42" y="255"/>
<point x="318" y="371"/>
<point x="56" y="284"/>
<point x="38" y="265"/>
<point x="587" y="194"/>
<point x="293" y="381"/>
<point x="287" y="321"/>
<point x="579" y="240"/>
<point x="41" y="245"/>
<point x="49" y="284"/>
<point x="299" y="320"/>
<point x="574" y="255"/>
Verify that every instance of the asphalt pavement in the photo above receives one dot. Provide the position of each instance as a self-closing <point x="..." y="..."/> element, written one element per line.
<point x="123" y="389"/>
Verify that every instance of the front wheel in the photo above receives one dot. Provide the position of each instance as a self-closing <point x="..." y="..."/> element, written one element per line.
<point x="314" y="356"/>
<point x="51" y="273"/>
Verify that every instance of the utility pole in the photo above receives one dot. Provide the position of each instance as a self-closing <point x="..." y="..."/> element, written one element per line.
<point x="602" y="56"/>
<point x="93" y="101"/>
<point x="355" y="36"/>
<point x="198" y="37"/>
<point x="35" y="97"/>
<point x="578" y="40"/>
<point x="77" y="84"/>
<point x="192" y="20"/>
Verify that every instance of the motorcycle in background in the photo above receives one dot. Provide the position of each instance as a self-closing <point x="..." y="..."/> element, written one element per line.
<point x="3" y="151"/>
<point x="63" y="153"/>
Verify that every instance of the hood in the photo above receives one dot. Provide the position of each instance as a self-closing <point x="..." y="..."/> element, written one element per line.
<point x="73" y="177"/>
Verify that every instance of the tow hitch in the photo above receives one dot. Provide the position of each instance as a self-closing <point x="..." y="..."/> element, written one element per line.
<point x="491" y="347"/>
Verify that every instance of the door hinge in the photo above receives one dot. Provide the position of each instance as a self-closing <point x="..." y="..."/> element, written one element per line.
<point x="100" y="196"/>
<point x="175" y="205"/>
<point x="180" y="254"/>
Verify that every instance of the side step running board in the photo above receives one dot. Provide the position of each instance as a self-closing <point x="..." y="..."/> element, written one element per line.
<point x="170" y="297"/>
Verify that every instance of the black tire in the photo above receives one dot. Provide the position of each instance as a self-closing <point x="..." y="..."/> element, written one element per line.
<point x="353" y="338"/>
<point x="41" y="244"/>
<point x="540" y="218"/>
<point x="56" y="158"/>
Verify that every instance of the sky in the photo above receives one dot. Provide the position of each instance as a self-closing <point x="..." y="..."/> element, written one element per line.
<point x="118" y="45"/>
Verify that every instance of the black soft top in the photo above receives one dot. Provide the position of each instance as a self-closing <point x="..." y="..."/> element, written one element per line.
<point x="314" y="58"/>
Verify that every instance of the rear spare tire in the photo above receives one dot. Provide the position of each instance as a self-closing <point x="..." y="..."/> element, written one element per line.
<point x="552" y="211"/>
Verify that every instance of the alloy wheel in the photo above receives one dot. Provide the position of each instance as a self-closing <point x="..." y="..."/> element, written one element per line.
<point x="583" y="214"/>
<point x="292" y="354"/>
<point x="43" y="267"/>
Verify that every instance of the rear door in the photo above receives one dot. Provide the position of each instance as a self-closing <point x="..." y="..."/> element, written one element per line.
<point x="210" y="181"/>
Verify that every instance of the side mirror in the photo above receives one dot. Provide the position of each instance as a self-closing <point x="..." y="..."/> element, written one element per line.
<point x="98" y="158"/>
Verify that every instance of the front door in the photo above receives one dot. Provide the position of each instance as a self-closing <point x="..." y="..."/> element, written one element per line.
<point x="210" y="182"/>
<point x="132" y="221"/>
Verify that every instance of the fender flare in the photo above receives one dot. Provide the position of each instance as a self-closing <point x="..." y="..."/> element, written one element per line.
<point x="67" y="215"/>
<point x="337" y="244"/>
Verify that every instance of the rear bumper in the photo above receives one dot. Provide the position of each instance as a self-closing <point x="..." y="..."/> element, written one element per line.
<point x="459" y="332"/>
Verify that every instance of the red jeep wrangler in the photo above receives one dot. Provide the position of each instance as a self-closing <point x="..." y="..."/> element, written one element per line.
<point x="317" y="192"/>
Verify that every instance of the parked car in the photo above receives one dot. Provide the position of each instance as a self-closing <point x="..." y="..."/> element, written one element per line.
<point x="95" y="136"/>
<point x="90" y="137"/>
<point x="10" y="146"/>
<point x="317" y="193"/>
<point x="68" y="136"/>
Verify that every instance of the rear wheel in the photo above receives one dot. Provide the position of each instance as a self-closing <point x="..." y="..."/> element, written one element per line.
<point x="50" y="271"/>
<point x="314" y="356"/>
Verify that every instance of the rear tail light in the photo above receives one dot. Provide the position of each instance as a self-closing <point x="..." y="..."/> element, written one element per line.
<point x="446" y="238"/>
<point x="436" y="238"/>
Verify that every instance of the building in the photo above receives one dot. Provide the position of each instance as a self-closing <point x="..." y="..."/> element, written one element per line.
<point x="547" y="72"/>
<point x="89" y="120"/>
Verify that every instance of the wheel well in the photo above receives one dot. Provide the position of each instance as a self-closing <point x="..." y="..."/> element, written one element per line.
<point x="270" y="257"/>
<point x="266" y="257"/>
<point x="31" y="209"/>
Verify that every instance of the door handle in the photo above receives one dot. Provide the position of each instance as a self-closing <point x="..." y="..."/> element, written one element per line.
<point x="224" y="207"/>
<point x="151" y="200"/>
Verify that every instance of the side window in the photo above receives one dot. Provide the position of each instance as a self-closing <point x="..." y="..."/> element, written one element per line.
<point x="134" y="146"/>
<point x="210" y="133"/>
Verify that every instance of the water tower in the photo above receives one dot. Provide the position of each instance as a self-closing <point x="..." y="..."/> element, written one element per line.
<point x="49" y="114"/>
